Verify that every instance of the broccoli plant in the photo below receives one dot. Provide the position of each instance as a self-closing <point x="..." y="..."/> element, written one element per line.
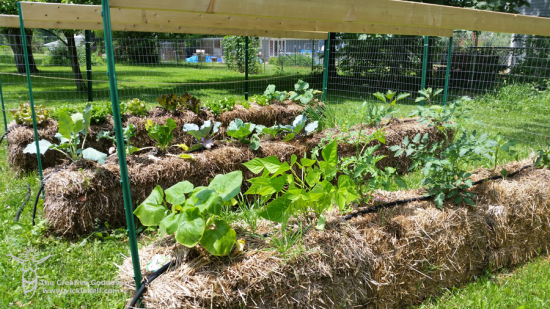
<point x="302" y="93"/>
<point x="244" y="132"/>
<point x="71" y="128"/>
<point x="161" y="133"/>
<point x="297" y="126"/>
<point x="128" y="133"/>
<point x="294" y="193"/>
<point x="202" y="134"/>
<point x="169" y="102"/>
<point x="273" y="95"/>
<point x="193" y="214"/>
<point x="23" y="115"/>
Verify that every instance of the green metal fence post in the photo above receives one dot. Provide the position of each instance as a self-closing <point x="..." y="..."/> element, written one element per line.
<point x="124" y="181"/>
<point x="3" y="110"/>
<point x="246" y="68"/>
<point x="424" y="63"/>
<point x="325" y="68"/>
<point x="29" y="85"/>
<point x="448" y="71"/>
<point x="312" y="55"/>
<point x="88" y="37"/>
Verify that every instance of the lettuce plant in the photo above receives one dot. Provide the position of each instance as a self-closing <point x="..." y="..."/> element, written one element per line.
<point x="71" y="128"/>
<point x="134" y="107"/>
<point x="202" y="134"/>
<point x="23" y="114"/>
<point x="294" y="193"/>
<point x="189" y="102"/>
<point x="128" y="133"/>
<point x="244" y="132"/>
<point x="169" y="102"/>
<point x="193" y="213"/>
<point x="220" y="106"/>
<point x="161" y="133"/>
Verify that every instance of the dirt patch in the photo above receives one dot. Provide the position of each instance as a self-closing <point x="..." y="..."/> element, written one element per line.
<point x="373" y="261"/>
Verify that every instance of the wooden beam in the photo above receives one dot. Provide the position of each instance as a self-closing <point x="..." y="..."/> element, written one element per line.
<point x="12" y="21"/>
<point x="357" y="11"/>
<point x="91" y="13"/>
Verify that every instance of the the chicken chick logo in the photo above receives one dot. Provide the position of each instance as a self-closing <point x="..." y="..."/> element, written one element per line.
<point x="29" y="260"/>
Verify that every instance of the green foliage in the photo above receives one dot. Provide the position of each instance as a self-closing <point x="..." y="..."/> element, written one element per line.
<point x="296" y="60"/>
<point x="289" y="132"/>
<point x="302" y="94"/>
<point x="390" y="97"/>
<point x="169" y="102"/>
<point x="308" y="190"/>
<point x="191" y="103"/>
<point x="273" y="95"/>
<point x="161" y="133"/>
<point x="70" y="130"/>
<point x="234" y="49"/>
<point x="373" y="114"/>
<point x="202" y="134"/>
<point x="191" y="212"/>
<point x="134" y="107"/>
<point x="501" y="145"/>
<point x="445" y="176"/>
<point x="99" y="115"/>
<point x="542" y="158"/>
<point x="443" y="117"/>
<point x="418" y="148"/>
<point x="67" y="109"/>
<point x="261" y="100"/>
<point x="224" y="105"/>
<point x="428" y="95"/>
<point x="250" y="211"/>
<point x="244" y="132"/>
<point x="23" y="115"/>
<point x="128" y="133"/>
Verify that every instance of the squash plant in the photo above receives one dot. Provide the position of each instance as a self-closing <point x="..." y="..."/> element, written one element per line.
<point x="309" y="190"/>
<point x="273" y="95"/>
<point x="302" y="93"/>
<point x="71" y="128"/>
<point x="193" y="213"/>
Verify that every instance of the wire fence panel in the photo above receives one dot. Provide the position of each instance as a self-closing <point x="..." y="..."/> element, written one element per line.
<point x="506" y="76"/>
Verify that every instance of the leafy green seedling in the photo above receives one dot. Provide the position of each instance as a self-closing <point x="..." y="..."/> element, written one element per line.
<point x="298" y="125"/>
<point x="70" y="130"/>
<point x="193" y="214"/>
<point x="203" y="134"/>
<point x="302" y="93"/>
<point x="244" y="132"/>
<point x="128" y="133"/>
<point x="501" y="144"/>
<point x="161" y="133"/>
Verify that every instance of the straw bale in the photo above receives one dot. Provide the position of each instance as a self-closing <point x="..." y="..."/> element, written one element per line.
<point x="389" y="260"/>
<point x="282" y="113"/>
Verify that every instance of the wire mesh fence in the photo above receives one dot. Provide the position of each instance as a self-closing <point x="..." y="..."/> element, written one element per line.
<point x="506" y="76"/>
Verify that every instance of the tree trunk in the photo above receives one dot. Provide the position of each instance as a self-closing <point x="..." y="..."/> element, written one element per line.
<point x="14" y="40"/>
<point x="75" y="66"/>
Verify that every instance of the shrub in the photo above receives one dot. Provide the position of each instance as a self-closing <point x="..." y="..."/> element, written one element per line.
<point x="296" y="60"/>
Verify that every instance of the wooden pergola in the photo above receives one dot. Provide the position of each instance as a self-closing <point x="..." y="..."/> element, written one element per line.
<point x="306" y="19"/>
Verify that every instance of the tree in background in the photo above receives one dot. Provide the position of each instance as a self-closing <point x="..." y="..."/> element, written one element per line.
<point x="13" y="36"/>
<point x="234" y="48"/>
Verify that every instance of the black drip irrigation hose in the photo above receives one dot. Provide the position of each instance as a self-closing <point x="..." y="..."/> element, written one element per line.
<point x="423" y="198"/>
<point x="41" y="189"/>
<point x="24" y="203"/>
<point x="146" y="283"/>
<point x="9" y="130"/>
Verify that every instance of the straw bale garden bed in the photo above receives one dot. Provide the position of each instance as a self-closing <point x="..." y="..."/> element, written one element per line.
<point x="262" y="205"/>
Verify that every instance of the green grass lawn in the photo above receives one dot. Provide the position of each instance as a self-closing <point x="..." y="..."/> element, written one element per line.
<point x="93" y="257"/>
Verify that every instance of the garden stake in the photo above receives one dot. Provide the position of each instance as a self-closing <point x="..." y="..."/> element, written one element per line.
<point x="88" y="35"/>
<point x="29" y="84"/>
<point x="3" y="110"/>
<point x="120" y="143"/>
<point x="325" y="68"/>
<point x="448" y="71"/>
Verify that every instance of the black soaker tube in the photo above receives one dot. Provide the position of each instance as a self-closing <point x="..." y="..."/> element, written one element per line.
<point x="144" y="286"/>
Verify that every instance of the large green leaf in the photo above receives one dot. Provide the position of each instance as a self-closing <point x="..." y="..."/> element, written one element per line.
<point x="255" y="165"/>
<point x="330" y="153"/>
<point x="66" y="125"/>
<point x="276" y="211"/>
<point x="43" y="144"/>
<point x="86" y="116"/>
<point x="78" y="121"/>
<point x="190" y="227"/>
<point x="175" y="195"/>
<point x="152" y="210"/>
<point x="254" y="142"/>
<point x="265" y="186"/>
<point x="208" y="201"/>
<point x="221" y="240"/>
<point x="240" y="130"/>
<point x="228" y="185"/>
<point x="169" y="225"/>
<point x="301" y="86"/>
<point x="94" y="155"/>
<point x="299" y="123"/>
